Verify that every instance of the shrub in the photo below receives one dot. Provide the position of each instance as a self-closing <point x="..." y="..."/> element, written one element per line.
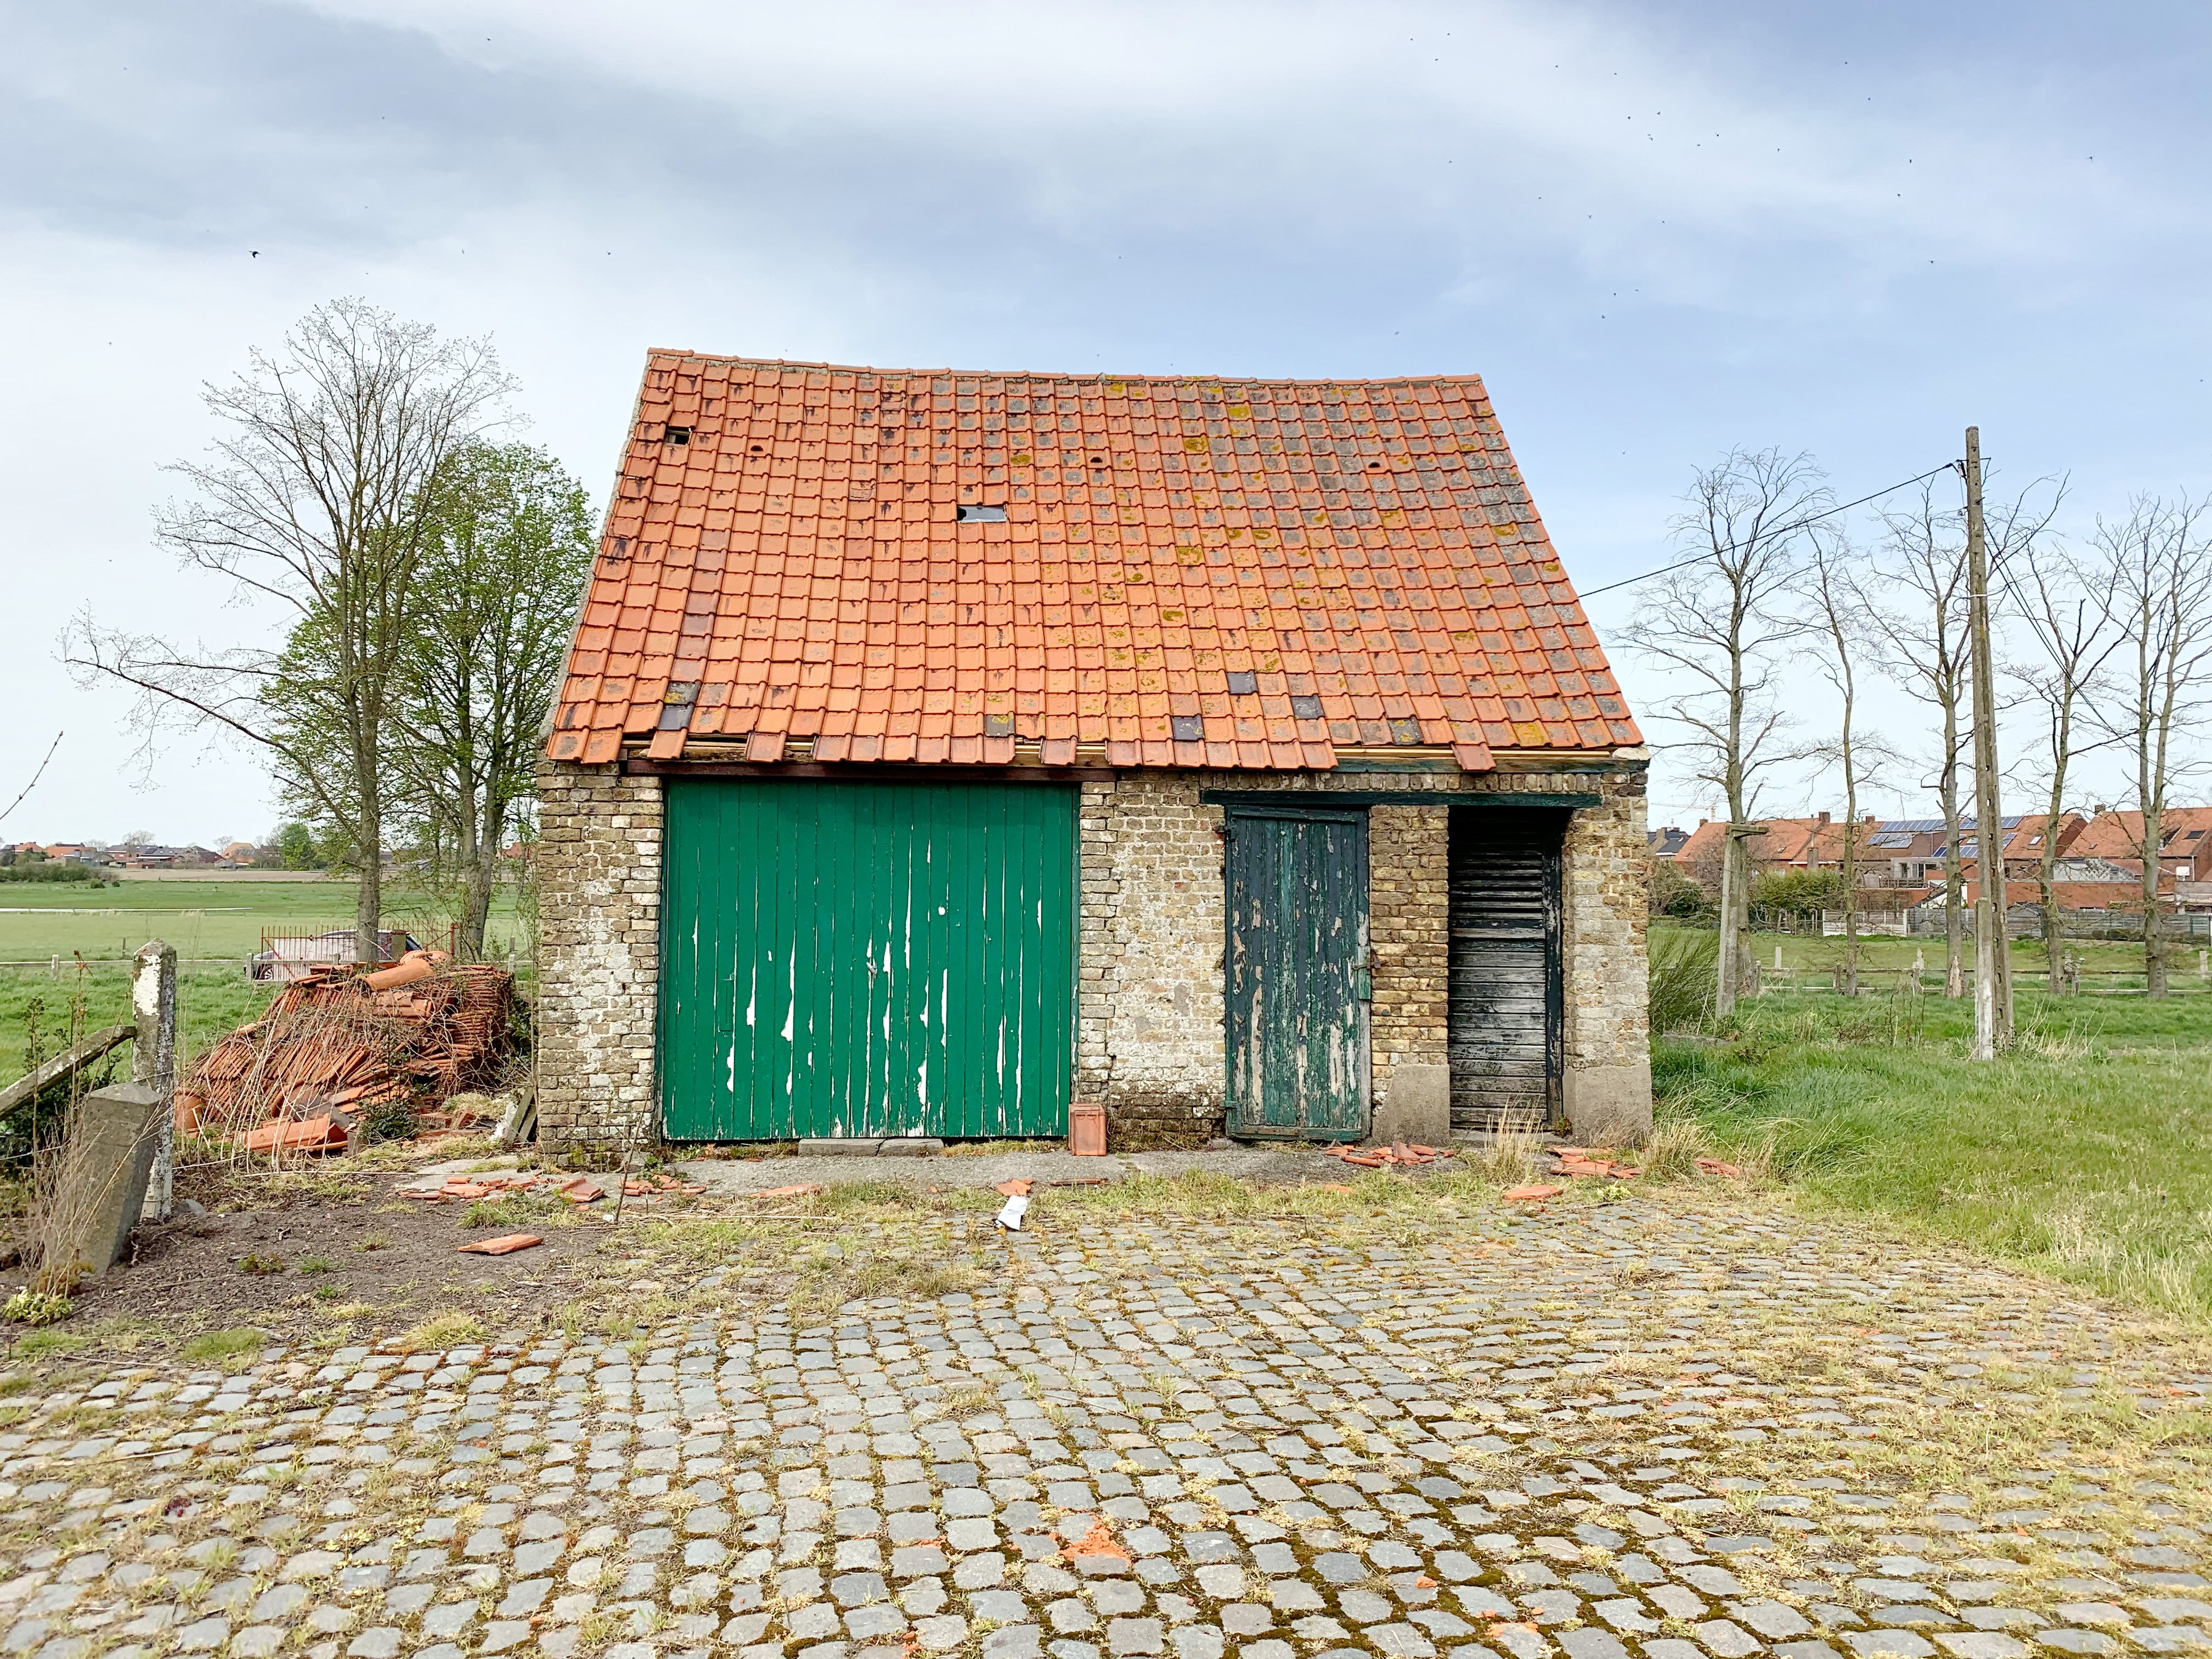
<point x="48" y="870"/>
<point x="30" y="1307"/>
<point x="1674" y="893"/>
<point x="1796" y="893"/>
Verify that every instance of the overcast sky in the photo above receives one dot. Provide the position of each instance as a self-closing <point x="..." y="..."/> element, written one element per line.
<point x="1655" y="231"/>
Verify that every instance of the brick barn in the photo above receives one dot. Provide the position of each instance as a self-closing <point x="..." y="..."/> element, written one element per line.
<point x="937" y="749"/>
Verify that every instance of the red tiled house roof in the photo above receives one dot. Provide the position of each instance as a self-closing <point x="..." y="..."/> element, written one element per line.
<point x="2186" y="831"/>
<point x="1187" y="573"/>
<point x="1783" y="840"/>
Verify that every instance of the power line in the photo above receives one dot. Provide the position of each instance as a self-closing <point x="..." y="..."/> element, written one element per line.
<point x="1784" y="530"/>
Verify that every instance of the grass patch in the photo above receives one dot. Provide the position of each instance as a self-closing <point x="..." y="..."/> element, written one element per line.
<point x="446" y="1330"/>
<point x="316" y="1186"/>
<point x="2081" y="1154"/>
<point x="215" y="1347"/>
<point x="520" y="1210"/>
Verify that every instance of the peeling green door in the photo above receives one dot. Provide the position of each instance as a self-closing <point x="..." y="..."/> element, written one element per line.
<point x="861" y="959"/>
<point x="1296" y="971"/>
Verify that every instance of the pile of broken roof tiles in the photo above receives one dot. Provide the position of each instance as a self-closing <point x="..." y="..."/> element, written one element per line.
<point x="891" y="566"/>
<point x="333" y="1043"/>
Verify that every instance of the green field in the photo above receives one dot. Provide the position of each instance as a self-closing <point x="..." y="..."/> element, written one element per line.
<point x="2083" y="1153"/>
<point x="2107" y="964"/>
<point x="40" y="1009"/>
<point x="215" y="925"/>
<point x="204" y="919"/>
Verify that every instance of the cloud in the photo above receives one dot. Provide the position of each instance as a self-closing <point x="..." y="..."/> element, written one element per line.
<point x="1630" y="145"/>
<point x="1656" y="232"/>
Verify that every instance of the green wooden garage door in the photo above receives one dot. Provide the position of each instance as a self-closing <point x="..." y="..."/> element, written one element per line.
<point x="867" y="959"/>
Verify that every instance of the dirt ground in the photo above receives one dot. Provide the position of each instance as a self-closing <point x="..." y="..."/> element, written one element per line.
<point x="331" y="1252"/>
<point x="334" y="1243"/>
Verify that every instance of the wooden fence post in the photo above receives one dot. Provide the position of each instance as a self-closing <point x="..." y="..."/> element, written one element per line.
<point x="153" y="1062"/>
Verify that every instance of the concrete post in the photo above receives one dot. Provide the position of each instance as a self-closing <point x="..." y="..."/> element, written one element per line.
<point x="102" y="1188"/>
<point x="153" y="1062"/>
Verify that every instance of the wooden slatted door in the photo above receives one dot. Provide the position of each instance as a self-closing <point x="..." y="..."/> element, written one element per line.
<point x="861" y="959"/>
<point x="1507" y="1032"/>
<point x="1296" y="972"/>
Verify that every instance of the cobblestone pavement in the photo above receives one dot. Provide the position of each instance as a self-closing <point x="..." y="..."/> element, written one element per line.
<point x="965" y="1169"/>
<point x="1670" y="1426"/>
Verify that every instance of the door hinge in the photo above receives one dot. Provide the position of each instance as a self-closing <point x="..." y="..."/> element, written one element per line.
<point x="1362" y="985"/>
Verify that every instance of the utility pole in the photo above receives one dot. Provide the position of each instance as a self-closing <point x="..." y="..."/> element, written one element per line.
<point x="1992" y="955"/>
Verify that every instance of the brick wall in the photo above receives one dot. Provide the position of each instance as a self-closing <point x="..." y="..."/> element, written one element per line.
<point x="1607" y="1086"/>
<point x="1149" y="1011"/>
<point x="1408" y="924"/>
<point x="598" y="875"/>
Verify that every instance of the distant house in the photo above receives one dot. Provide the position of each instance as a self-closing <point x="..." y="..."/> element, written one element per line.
<point x="244" y="853"/>
<point x="2185" y="840"/>
<point x="1802" y="843"/>
<point x="1665" y="843"/>
<point x="2023" y="840"/>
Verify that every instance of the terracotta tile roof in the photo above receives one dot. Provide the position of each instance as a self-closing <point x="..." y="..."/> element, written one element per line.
<point x="2186" y="832"/>
<point x="1783" y="842"/>
<point x="899" y="565"/>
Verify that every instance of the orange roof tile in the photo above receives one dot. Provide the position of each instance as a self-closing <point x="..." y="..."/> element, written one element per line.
<point x="2185" y="831"/>
<point x="921" y="565"/>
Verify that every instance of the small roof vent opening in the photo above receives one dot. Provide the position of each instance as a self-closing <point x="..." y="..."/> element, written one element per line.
<point x="678" y="434"/>
<point x="981" y="515"/>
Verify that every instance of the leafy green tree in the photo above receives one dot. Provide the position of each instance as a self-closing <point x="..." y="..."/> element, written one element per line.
<point x="492" y="610"/>
<point x="1798" y="893"/>
<point x="1674" y="893"/>
<point x="296" y="847"/>
<point x="314" y="503"/>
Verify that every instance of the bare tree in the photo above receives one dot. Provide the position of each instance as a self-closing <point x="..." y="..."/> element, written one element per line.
<point x="313" y="501"/>
<point x="1717" y="624"/>
<point x="2160" y="562"/>
<point x="494" y="604"/>
<point x="2069" y="612"/>
<point x="1841" y="612"/>
<point x="1925" y="646"/>
<point x="24" y="794"/>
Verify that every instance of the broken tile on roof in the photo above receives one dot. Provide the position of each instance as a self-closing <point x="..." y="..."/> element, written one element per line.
<point x="901" y="566"/>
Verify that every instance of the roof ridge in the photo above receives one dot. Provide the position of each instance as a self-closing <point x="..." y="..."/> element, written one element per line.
<point x="1469" y="377"/>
